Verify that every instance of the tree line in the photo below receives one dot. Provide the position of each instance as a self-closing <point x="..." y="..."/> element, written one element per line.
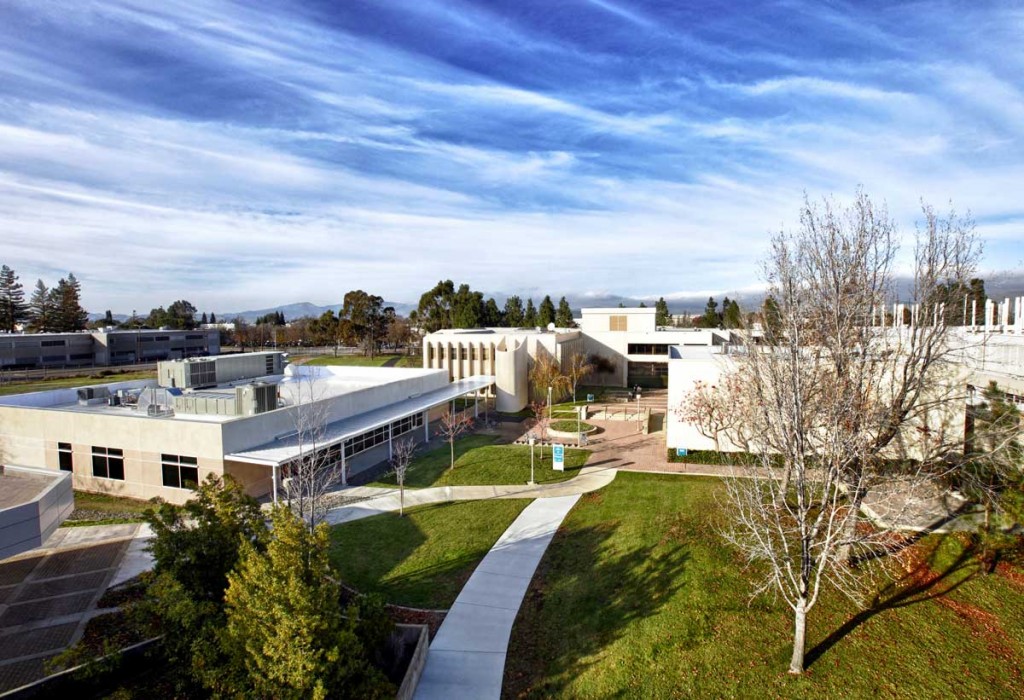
<point x="49" y="309"/>
<point x="445" y="306"/>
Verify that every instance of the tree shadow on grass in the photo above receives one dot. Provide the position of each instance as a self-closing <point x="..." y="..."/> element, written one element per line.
<point x="583" y="598"/>
<point x="919" y="583"/>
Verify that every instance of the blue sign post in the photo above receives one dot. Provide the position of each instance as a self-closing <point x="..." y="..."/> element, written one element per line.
<point x="558" y="461"/>
<point x="590" y="398"/>
<point x="680" y="452"/>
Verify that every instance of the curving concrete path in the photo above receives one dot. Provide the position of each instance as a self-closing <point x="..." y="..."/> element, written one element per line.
<point x="364" y="501"/>
<point x="467" y="657"/>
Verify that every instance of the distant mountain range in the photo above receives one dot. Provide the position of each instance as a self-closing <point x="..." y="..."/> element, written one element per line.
<point x="997" y="286"/>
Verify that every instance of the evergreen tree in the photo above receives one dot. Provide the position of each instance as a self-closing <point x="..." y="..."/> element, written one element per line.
<point x="643" y="305"/>
<point x="285" y="632"/>
<point x="662" y="317"/>
<point x="213" y="317"/>
<point x="530" y="315"/>
<point x="203" y="320"/>
<point x="66" y="307"/>
<point x="13" y="309"/>
<point x="771" y="319"/>
<point x="40" y="309"/>
<point x="435" y="307"/>
<point x="492" y="314"/>
<point x="710" y="319"/>
<point x="467" y="308"/>
<point x="732" y="317"/>
<point x="514" y="315"/>
<point x="546" y="313"/>
<point x="108" y="318"/>
<point x="563" y="317"/>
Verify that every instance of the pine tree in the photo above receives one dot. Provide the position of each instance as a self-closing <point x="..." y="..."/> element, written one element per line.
<point x="68" y="312"/>
<point x="563" y="317"/>
<point x="662" y="317"/>
<point x="41" y="309"/>
<point x="546" y="313"/>
<point x="530" y="315"/>
<point x="514" y="315"/>
<point x="731" y="315"/>
<point x="710" y="319"/>
<point x="13" y="309"/>
<point x="285" y="629"/>
<point x="492" y="314"/>
<point x="213" y="317"/>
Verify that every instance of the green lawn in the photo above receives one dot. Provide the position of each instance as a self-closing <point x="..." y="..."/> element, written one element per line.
<point x="478" y="461"/>
<point x="639" y="597"/>
<point x="361" y="361"/>
<point x="424" y="558"/>
<point x="8" y="388"/>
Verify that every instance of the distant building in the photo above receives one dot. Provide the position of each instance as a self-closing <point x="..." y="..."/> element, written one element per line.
<point x="103" y="348"/>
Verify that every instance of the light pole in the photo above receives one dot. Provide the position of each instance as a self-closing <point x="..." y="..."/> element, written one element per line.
<point x="532" y="440"/>
<point x="638" y="411"/>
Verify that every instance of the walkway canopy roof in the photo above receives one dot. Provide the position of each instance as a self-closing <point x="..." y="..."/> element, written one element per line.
<point x="287" y="448"/>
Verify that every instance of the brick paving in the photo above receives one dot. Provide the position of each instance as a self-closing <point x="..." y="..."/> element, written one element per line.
<point x="48" y="596"/>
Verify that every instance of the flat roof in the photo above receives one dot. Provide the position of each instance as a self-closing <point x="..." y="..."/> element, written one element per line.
<point x="287" y="448"/>
<point x="18" y="487"/>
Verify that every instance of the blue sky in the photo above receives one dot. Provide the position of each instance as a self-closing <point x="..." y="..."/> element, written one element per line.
<point x="245" y="154"/>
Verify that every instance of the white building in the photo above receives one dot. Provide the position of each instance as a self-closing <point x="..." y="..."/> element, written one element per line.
<point x="236" y="415"/>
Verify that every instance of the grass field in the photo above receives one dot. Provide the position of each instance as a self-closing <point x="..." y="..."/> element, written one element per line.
<point x="8" y="388"/>
<point x="478" y="461"/>
<point x="424" y="558"/>
<point x="414" y="361"/>
<point x="639" y="597"/>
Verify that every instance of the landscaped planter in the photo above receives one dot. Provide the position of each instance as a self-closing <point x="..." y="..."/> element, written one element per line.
<point x="585" y="429"/>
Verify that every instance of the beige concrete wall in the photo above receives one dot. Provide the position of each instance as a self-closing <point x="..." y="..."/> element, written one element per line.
<point x="29" y="437"/>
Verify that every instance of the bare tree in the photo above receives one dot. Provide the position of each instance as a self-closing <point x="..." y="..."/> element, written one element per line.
<point x="546" y="372"/>
<point x="317" y="468"/>
<point x="838" y="406"/>
<point x="541" y="423"/>
<point x="579" y="369"/>
<point x="401" y="458"/>
<point x="452" y="426"/>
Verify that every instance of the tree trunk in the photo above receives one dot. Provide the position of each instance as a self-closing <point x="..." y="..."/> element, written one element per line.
<point x="451" y="443"/>
<point x="401" y="499"/>
<point x="796" y="664"/>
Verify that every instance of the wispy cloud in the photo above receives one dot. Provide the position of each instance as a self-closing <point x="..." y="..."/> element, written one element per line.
<point x="245" y="154"/>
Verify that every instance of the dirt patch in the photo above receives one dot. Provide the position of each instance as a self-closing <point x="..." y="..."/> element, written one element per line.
<point x="1011" y="573"/>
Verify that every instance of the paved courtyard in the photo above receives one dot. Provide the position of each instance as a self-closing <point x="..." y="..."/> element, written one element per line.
<point x="48" y="595"/>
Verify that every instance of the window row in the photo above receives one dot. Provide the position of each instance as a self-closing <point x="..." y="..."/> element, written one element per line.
<point x="647" y="349"/>
<point x="179" y="471"/>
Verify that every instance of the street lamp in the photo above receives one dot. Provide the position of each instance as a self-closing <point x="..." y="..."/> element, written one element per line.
<point x="532" y="440"/>
<point x="638" y="428"/>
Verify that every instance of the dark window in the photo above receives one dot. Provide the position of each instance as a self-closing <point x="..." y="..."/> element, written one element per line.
<point x="180" y="472"/>
<point x="108" y="463"/>
<point x="647" y="349"/>
<point x="195" y="337"/>
<point x="162" y="338"/>
<point x="64" y="456"/>
<point x="52" y="343"/>
<point x="81" y="356"/>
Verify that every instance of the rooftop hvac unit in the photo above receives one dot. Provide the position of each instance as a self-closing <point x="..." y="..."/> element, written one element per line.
<point x="89" y="395"/>
<point x="253" y="399"/>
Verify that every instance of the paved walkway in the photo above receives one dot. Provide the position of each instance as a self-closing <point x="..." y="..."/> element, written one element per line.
<point x="369" y="500"/>
<point x="48" y="595"/>
<point x="467" y="657"/>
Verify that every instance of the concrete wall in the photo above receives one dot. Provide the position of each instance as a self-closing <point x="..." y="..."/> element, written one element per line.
<point x="30" y="435"/>
<point x="27" y="526"/>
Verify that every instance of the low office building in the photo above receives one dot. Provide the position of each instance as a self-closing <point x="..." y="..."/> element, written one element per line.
<point x="103" y="348"/>
<point x="33" y="504"/>
<point x="635" y="347"/>
<point x="238" y="415"/>
<point x="505" y="353"/>
<point x="625" y="345"/>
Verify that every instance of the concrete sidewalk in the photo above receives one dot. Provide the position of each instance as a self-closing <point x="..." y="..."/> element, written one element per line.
<point x="467" y="657"/>
<point x="365" y="501"/>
